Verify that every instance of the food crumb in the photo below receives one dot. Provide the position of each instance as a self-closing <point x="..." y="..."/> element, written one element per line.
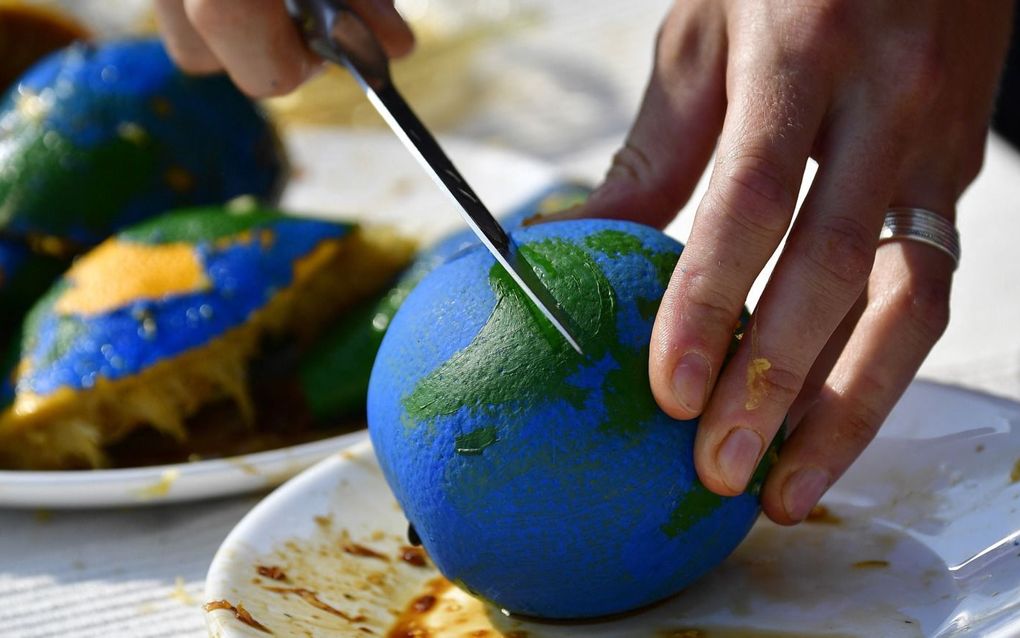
<point x="413" y="556"/>
<point x="1014" y="474"/>
<point x="240" y="613"/>
<point x="180" y="593"/>
<point x="357" y="549"/>
<point x="757" y="387"/>
<point x="979" y="448"/>
<point x="424" y="603"/>
<point x="271" y="571"/>
<point x="43" y="516"/>
<point x="161" y="487"/>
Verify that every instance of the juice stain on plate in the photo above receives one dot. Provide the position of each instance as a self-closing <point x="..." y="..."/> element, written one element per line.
<point x="821" y="515"/>
<point x="368" y="581"/>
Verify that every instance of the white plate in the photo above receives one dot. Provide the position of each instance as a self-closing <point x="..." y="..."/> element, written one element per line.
<point x="926" y="544"/>
<point x="340" y="174"/>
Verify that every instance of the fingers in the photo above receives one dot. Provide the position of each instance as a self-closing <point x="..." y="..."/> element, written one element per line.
<point x="667" y="148"/>
<point x="183" y="43"/>
<point x="767" y="136"/>
<point x="387" y="25"/>
<point x="820" y="276"/>
<point x="907" y="312"/>
<point x="895" y="323"/>
<point x="256" y="42"/>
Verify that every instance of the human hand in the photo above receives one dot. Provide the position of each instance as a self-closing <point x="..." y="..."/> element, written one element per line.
<point x="892" y="99"/>
<point x="256" y="41"/>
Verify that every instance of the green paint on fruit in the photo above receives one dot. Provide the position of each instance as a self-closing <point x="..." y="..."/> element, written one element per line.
<point x="695" y="506"/>
<point x="457" y="383"/>
<point x="615" y="242"/>
<point x="126" y="166"/>
<point x="628" y="397"/>
<point x="472" y="443"/>
<point x="648" y="307"/>
<point x="198" y="225"/>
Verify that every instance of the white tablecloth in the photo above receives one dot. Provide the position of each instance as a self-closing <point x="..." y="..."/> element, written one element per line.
<point x="140" y="572"/>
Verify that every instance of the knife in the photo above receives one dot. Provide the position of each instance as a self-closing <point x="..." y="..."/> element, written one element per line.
<point x="335" y="32"/>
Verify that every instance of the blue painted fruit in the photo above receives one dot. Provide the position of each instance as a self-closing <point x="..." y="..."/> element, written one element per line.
<point x="548" y="482"/>
<point x="165" y="317"/>
<point x="98" y="137"/>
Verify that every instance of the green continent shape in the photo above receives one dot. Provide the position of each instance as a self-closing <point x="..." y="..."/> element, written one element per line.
<point x="694" y="506"/>
<point x="698" y="503"/>
<point x="475" y="441"/>
<point x="195" y="225"/>
<point x="543" y="361"/>
<point x="58" y="186"/>
<point x="617" y="242"/>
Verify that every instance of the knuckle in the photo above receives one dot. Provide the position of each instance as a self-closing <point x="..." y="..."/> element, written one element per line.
<point x="779" y="382"/>
<point x="922" y="71"/>
<point x="860" y="425"/>
<point x="754" y="194"/>
<point x="704" y="301"/>
<point x="924" y="303"/>
<point x="842" y="249"/>
<point x="819" y="24"/>
<point x="972" y="160"/>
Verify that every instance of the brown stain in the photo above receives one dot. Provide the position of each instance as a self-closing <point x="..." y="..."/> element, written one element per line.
<point x="871" y="564"/>
<point x="821" y="515"/>
<point x="414" y="556"/>
<point x="312" y="599"/>
<point x="411" y="621"/>
<point x="271" y="571"/>
<point x="357" y="549"/>
<point x="240" y="613"/>
<point x="179" y="179"/>
<point x="1014" y="474"/>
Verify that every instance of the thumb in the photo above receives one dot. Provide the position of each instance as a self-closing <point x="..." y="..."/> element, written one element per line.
<point x="674" y="134"/>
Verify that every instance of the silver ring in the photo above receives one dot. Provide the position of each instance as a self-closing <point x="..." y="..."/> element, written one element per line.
<point x="925" y="226"/>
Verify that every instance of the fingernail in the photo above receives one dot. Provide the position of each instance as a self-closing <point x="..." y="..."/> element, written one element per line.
<point x="803" y="490"/>
<point x="738" y="456"/>
<point x="690" y="381"/>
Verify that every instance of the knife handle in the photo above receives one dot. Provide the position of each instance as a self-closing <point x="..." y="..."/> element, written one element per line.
<point x="334" y="31"/>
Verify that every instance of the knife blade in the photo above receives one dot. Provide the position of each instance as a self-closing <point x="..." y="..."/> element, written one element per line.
<point x="333" y="31"/>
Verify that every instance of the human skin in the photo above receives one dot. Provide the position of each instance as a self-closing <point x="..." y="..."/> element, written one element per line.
<point x="892" y="99"/>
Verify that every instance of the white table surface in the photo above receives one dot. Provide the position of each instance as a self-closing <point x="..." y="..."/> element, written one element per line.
<point x="140" y="572"/>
